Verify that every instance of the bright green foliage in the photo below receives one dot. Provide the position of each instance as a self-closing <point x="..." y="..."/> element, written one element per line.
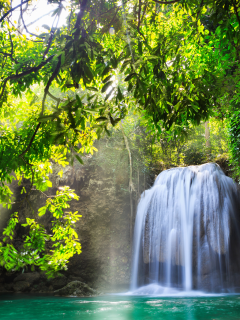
<point x="234" y="142"/>
<point x="50" y="253"/>
<point x="32" y="159"/>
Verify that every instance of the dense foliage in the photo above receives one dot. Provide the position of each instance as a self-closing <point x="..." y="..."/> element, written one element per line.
<point x="173" y="63"/>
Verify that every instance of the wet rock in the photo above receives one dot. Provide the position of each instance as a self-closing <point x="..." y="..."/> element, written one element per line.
<point x="28" y="277"/>
<point x="21" y="286"/>
<point x="59" y="282"/>
<point x="76" y="288"/>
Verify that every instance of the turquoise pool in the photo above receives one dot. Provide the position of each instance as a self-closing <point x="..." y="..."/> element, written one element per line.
<point x="118" y="307"/>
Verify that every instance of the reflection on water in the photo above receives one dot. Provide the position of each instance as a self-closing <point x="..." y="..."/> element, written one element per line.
<point x="26" y="307"/>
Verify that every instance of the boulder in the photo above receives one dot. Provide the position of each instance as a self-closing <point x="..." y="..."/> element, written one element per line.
<point x="21" y="286"/>
<point x="76" y="288"/>
<point x="30" y="277"/>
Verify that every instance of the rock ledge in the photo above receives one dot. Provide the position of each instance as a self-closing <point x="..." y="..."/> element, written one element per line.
<point x="76" y="288"/>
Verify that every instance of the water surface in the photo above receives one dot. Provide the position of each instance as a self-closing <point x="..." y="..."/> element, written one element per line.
<point x="42" y="307"/>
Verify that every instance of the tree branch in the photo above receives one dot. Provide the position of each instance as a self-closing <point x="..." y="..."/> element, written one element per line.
<point x="200" y="9"/>
<point x="167" y="2"/>
<point x="25" y="27"/>
<point x="22" y="34"/>
<point x="144" y="10"/>
<point x="8" y="55"/>
<point x="54" y="98"/>
<point x="25" y="73"/>
<point x="80" y="14"/>
<point x="46" y="14"/>
<point x="58" y="100"/>
<point x="11" y="10"/>
<point x="31" y="141"/>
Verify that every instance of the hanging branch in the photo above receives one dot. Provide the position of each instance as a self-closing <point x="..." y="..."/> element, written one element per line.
<point x="53" y="76"/>
<point x="131" y="186"/>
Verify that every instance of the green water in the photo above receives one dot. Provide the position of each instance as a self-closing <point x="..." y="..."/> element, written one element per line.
<point x="29" y="307"/>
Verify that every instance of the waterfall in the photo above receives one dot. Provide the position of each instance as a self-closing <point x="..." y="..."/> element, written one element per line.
<point x="183" y="229"/>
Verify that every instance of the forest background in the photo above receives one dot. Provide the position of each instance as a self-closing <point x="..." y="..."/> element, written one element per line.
<point x="160" y="78"/>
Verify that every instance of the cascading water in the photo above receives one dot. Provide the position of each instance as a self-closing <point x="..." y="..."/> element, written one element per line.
<point x="183" y="229"/>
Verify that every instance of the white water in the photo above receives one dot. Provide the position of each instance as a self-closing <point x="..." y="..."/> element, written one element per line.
<point x="182" y="232"/>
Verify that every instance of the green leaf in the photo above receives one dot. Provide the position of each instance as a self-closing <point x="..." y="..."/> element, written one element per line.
<point x="107" y="131"/>
<point x="62" y="58"/>
<point x="130" y="76"/>
<point x="88" y="72"/>
<point x="119" y="95"/>
<point x="140" y="47"/>
<point x="101" y="119"/>
<point x="45" y="26"/>
<point x="46" y="118"/>
<point x="42" y="211"/>
<point x="92" y="88"/>
<point x="107" y="78"/>
<point x="90" y="110"/>
<point x="79" y="159"/>
<point x="79" y="101"/>
<point x="106" y="70"/>
<point x="106" y="86"/>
